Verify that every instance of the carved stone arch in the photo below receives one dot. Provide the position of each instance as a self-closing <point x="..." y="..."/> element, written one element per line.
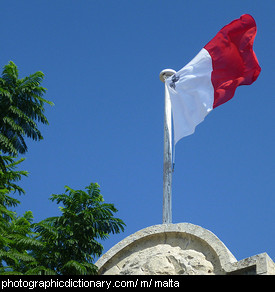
<point x="168" y="249"/>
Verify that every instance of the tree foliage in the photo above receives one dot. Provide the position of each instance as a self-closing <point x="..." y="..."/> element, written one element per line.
<point x="21" y="106"/>
<point x="9" y="176"/>
<point x="15" y="232"/>
<point x="66" y="244"/>
<point x="70" y="240"/>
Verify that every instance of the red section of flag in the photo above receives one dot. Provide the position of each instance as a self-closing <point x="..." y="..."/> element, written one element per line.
<point x="233" y="59"/>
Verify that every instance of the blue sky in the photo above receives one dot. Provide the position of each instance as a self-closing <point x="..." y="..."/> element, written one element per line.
<point x="101" y="61"/>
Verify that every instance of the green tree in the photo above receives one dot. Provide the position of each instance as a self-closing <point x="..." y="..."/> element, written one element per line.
<point x="9" y="175"/>
<point x="65" y="244"/>
<point x="16" y="235"/>
<point x="21" y="106"/>
<point x="70" y="240"/>
<point x="17" y="238"/>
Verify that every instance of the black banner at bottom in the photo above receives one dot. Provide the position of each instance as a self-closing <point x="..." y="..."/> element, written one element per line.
<point x="40" y="283"/>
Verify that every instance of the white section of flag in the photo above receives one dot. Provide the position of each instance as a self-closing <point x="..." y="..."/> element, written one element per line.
<point x="192" y="95"/>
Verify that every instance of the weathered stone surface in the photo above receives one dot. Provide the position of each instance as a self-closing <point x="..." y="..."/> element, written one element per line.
<point x="164" y="259"/>
<point x="178" y="249"/>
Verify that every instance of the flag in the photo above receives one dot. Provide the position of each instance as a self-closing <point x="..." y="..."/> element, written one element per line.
<point x="212" y="77"/>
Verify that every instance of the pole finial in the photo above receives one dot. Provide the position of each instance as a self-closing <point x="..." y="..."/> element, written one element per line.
<point x="164" y="74"/>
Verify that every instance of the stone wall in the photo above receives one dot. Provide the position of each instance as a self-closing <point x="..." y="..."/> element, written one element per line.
<point x="178" y="249"/>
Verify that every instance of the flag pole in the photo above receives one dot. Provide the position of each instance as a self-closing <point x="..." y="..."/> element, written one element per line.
<point x="167" y="152"/>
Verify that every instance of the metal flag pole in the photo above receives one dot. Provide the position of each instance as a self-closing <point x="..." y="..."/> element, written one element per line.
<point x="167" y="152"/>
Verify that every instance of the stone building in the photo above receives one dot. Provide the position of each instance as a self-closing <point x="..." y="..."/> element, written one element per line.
<point x="178" y="249"/>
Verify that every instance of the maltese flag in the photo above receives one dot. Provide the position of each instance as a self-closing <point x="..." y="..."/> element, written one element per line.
<point x="212" y="77"/>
